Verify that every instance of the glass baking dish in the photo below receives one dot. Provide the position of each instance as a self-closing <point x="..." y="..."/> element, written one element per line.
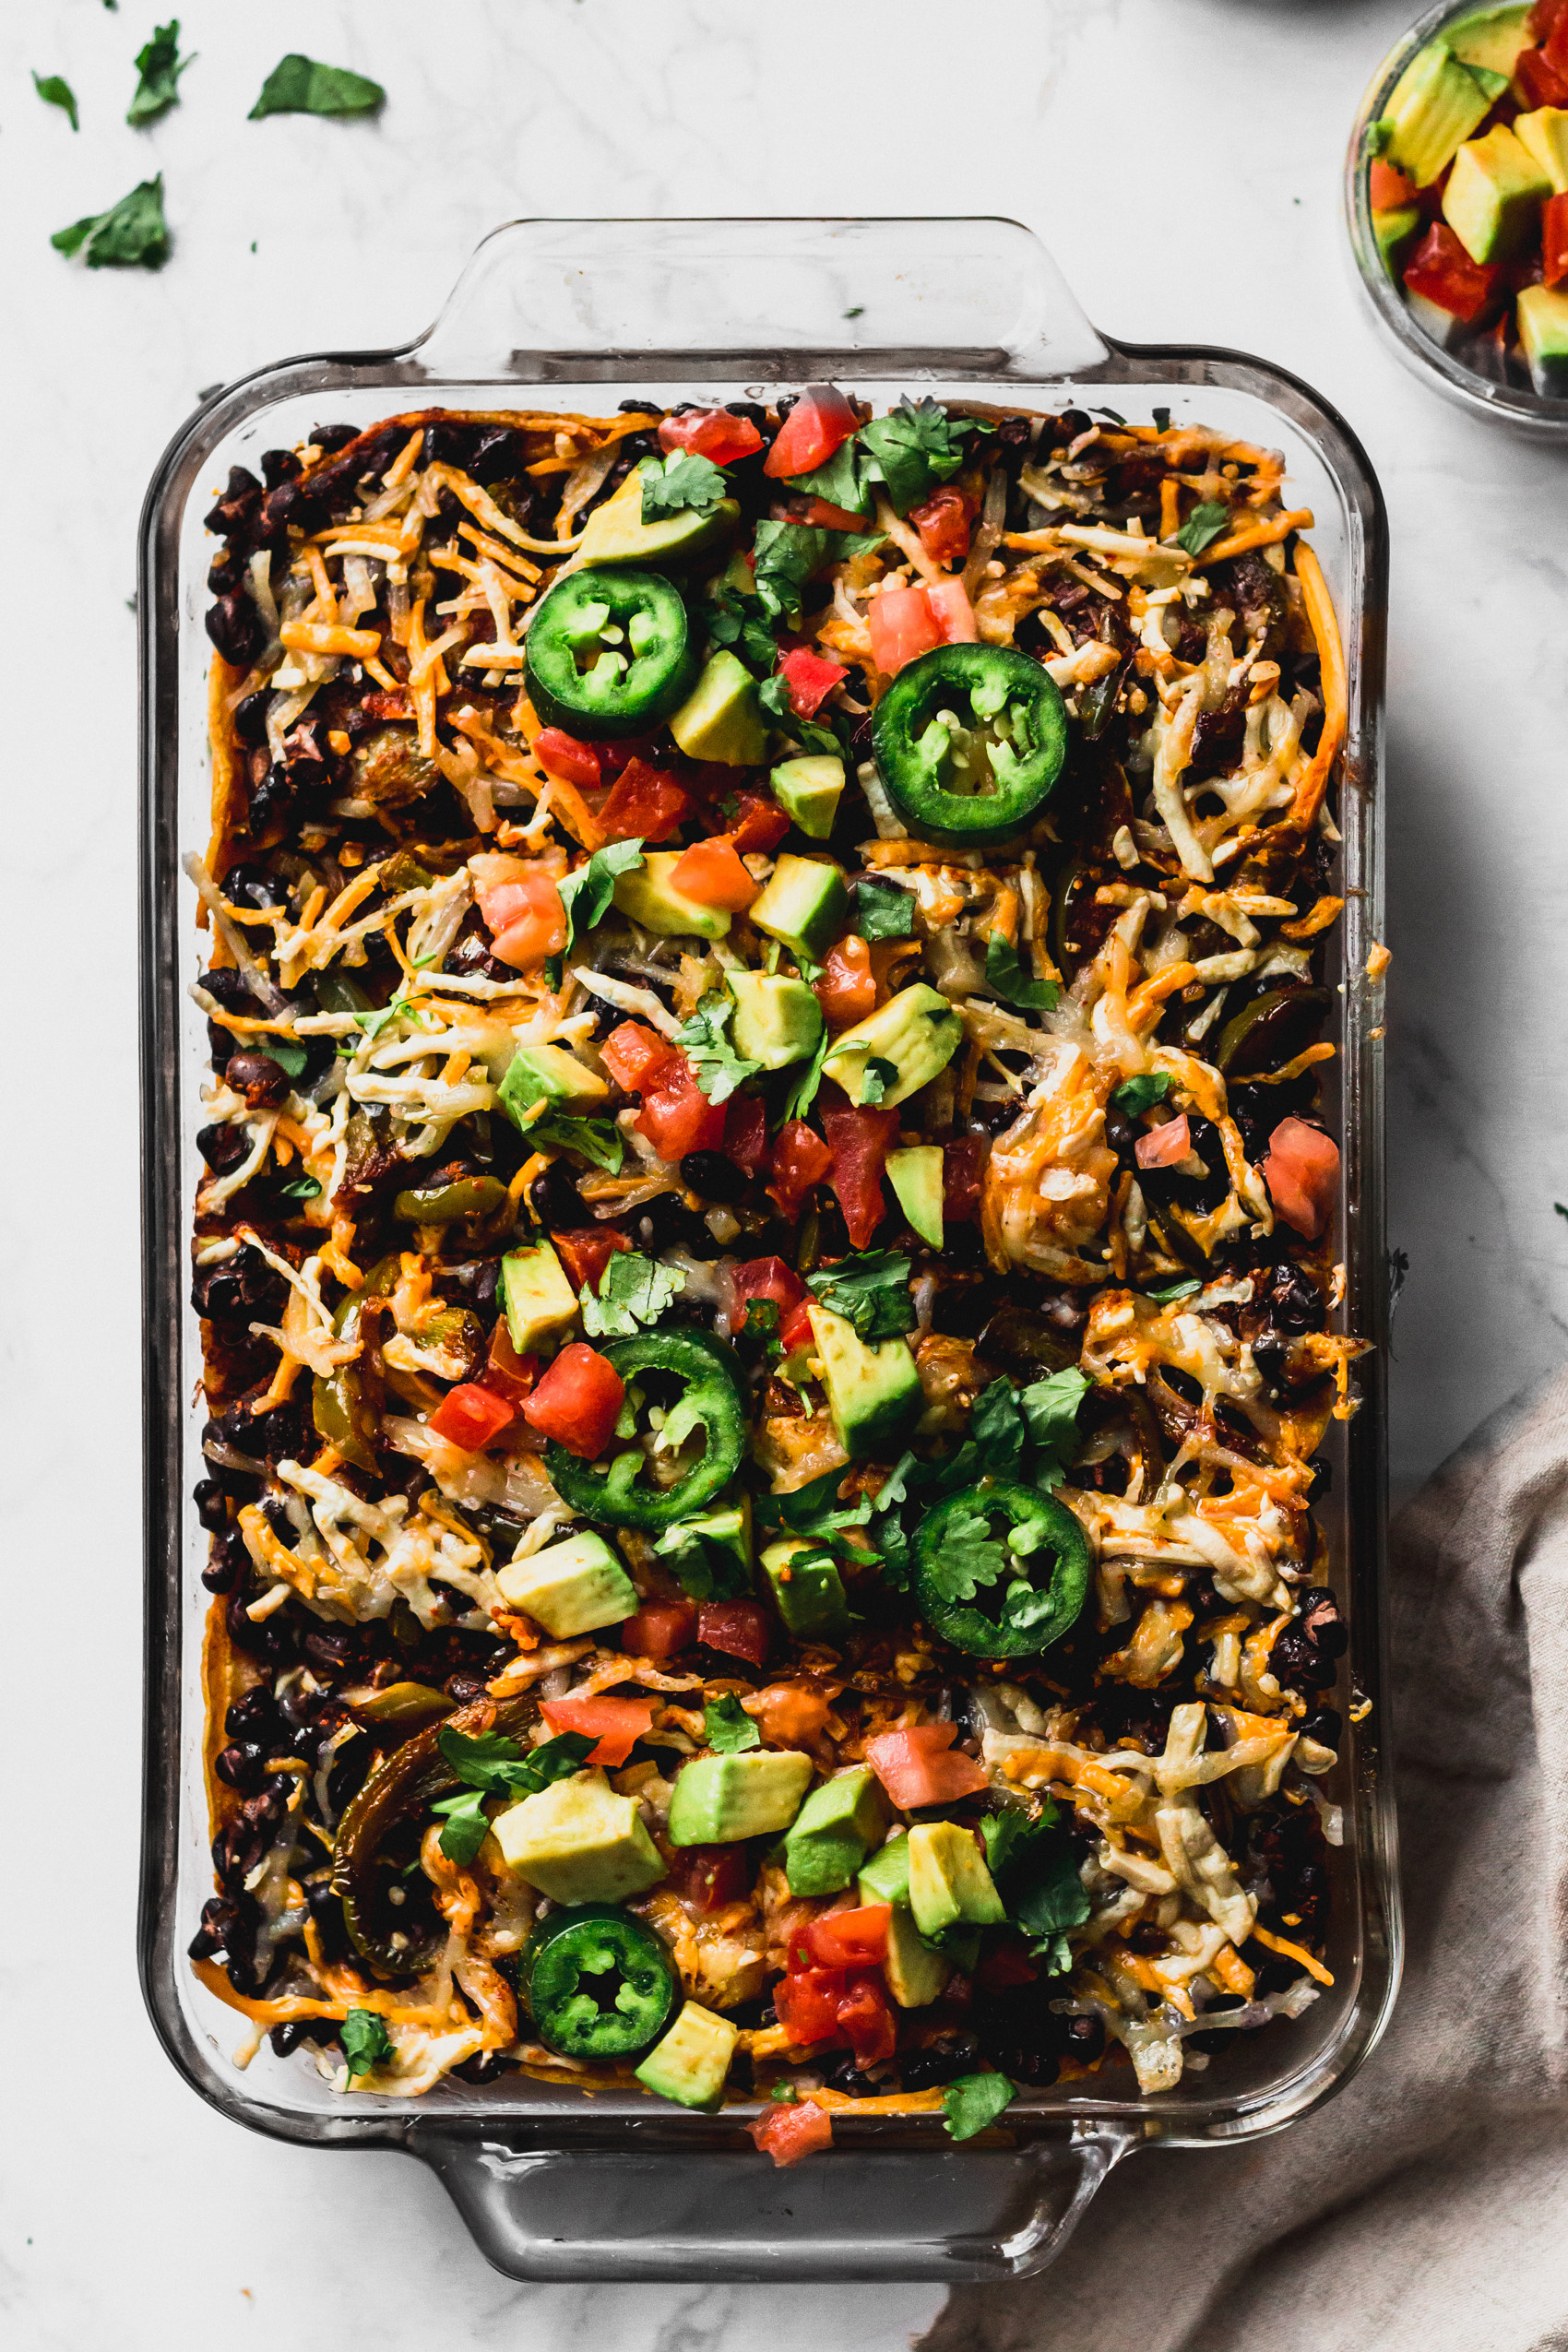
<point x="579" y="315"/>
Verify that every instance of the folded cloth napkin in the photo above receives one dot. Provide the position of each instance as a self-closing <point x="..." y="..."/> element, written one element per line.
<point x="1427" y="2205"/>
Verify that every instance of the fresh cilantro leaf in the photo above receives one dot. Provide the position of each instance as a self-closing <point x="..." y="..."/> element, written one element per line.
<point x="1204" y="523"/>
<point x="844" y="481"/>
<point x="727" y="1727"/>
<point x="1161" y="420"/>
<point x="789" y="554"/>
<point x="1172" y="1290"/>
<point x="587" y="893"/>
<point x="466" y="1826"/>
<point x="705" y="1570"/>
<point x="160" y="65"/>
<point x="303" y="1188"/>
<point x="1114" y="414"/>
<point x="877" y="1076"/>
<point x="973" y="2102"/>
<point x="289" y="1056"/>
<point x="997" y="1428"/>
<point x="785" y="2093"/>
<point x="871" y="1291"/>
<point x="554" y="973"/>
<point x="1005" y="977"/>
<point x="894" y="1487"/>
<point x="1142" y="1093"/>
<point x="719" y="1068"/>
<point x="737" y="621"/>
<point x="497" y="1766"/>
<point x="883" y="910"/>
<point x="133" y="234"/>
<point x="366" y="2041"/>
<point x="559" y="1758"/>
<point x="631" y="1290"/>
<point x="1048" y="1896"/>
<point x="897" y="1567"/>
<point x="597" y="1140"/>
<point x="1010" y="1834"/>
<point x="801" y="1090"/>
<point x="681" y="480"/>
<point x="1050" y="1408"/>
<point x="56" y="90"/>
<point x="970" y="1557"/>
<point x="298" y="86"/>
<point x="1379" y="135"/>
<point x="915" y="447"/>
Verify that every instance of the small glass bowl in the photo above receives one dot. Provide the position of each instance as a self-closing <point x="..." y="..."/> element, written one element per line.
<point x="1505" y="402"/>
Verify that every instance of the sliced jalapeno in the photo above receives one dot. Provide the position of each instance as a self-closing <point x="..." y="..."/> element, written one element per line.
<point x="969" y="741"/>
<point x="1272" y="1029"/>
<point x="597" y="1983"/>
<point x="609" y="652"/>
<point x="708" y="1396"/>
<point x="1038" y="1588"/>
<point x="442" y="1204"/>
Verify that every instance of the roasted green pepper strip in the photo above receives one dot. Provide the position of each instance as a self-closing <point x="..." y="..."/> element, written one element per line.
<point x="609" y="652"/>
<point x="1272" y="1029"/>
<point x="711" y="1398"/>
<point x="1041" y="1586"/>
<point x="969" y="741"/>
<point x="442" y="1204"/>
<point x="346" y="1406"/>
<point x="597" y="1983"/>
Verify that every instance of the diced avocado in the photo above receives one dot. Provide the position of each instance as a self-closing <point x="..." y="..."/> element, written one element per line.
<point x="689" y="2065"/>
<point x="915" y="1174"/>
<point x="1544" y="135"/>
<point x="1492" y="38"/>
<point x="722" y="718"/>
<point x="1543" y="332"/>
<point x="719" y="1800"/>
<point x="832" y="1830"/>
<point x="1490" y="201"/>
<point x="1392" y="229"/>
<point x="1437" y="102"/>
<point x="778" y="1020"/>
<point x="915" y="1974"/>
<point x="578" y="1842"/>
<point x="539" y="1300"/>
<point x="873" y="1393"/>
<point x="884" y="1878"/>
<point x="916" y="1031"/>
<point x="616" y="532"/>
<point x="807" y="1590"/>
<point x="649" y="895"/>
<point x="949" y="1884"/>
<point x="547" y="1073"/>
<point x="810" y="790"/>
<point x="805" y="905"/>
<point x="571" y="1587"/>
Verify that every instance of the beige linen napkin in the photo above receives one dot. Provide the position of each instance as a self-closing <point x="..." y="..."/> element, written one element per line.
<point x="1426" y="2208"/>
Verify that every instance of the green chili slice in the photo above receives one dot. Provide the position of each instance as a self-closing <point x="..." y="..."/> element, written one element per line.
<point x="609" y="652"/>
<point x="652" y="1485"/>
<point x="597" y="1983"/>
<point x="969" y="741"/>
<point x="1036" y="1578"/>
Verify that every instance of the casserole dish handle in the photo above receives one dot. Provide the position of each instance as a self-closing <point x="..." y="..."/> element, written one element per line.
<point x="966" y="2214"/>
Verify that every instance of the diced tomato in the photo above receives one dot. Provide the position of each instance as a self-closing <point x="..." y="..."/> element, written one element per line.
<point x="820" y="421"/>
<point x="579" y="1401"/>
<point x="1554" y="44"/>
<point x="942" y="521"/>
<point x="745" y="1132"/>
<point x="676" y="1116"/>
<point x="506" y="1374"/>
<point x="711" y="872"/>
<point x="707" y="1877"/>
<point x="1555" y="241"/>
<point x="955" y="615"/>
<point x="788" y="2131"/>
<point x="768" y="1279"/>
<point x="860" y="1142"/>
<point x="820" y="514"/>
<point x="526" y="918"/>
<point x="759" y="823"/>
<point x="1301" y="1171"/>
<point x="1443" y="271"/>
<point x="915" y="1768"/>
<point x="809" y="678"/>
<point x="902" y="625"/>
<point x="1387" y="188"/>
<point x="738" y="1627"/>
<point x="561" y="754"/>
<point x="866" y="2020"/>
<point x="795" y="1331"/>
<point x="790" y="1714"/>
<point x="1163" y="1146"/>
<point x="615" y="1725"/>
<point x="963" y="1175"/>
<point x="614" y="758"/>
<point x="586" y="1250"/>
<point x="1537" y="82"/>
<point x="659" y="1628"/>
<point x="807" y="2002"/>
<point x="849" y="1939"/>
<point x="847" y="991"/>
<point x="632" y="1054"/>
<point x="1543" y="18"/>
<point x="645" y="803"/>
<point x="471" y="1417"/>
<point x="1006" y="1965"/>
<point x="714" y="433"/>
<point x="799" y="1160"/>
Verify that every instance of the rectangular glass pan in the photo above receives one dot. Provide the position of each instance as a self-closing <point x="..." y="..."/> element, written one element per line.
<point x="577" y="316"/>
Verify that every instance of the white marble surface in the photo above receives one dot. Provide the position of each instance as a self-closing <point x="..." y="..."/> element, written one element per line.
<point x="1181" y="159"/>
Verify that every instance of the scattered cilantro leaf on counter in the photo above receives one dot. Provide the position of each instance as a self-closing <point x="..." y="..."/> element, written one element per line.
<point x="883" y="910"/>
<point x="1204" y="523"/>
<point x="160" y="65"/>
<point x="363" y="2036"/>
<point x="789" y="554"/>
<point x="133" y="234"/>
<point x="727" y="1727"/>
<point x="599" y="1141"/>
<point x="633" y="1290"/>
<point x="56" y="90"/>
<point x="680" y="481"/>
<point x="1005" y="977"/>
<point x="877" y="1077"/>
<point x="587" y="893"/>
<point x="719" y="1068"/>
<point x="465" y="1825"/>
<point x="1170" y="1291"/>
<point x="973" y="2102"/>
<point x="1559" y="1206"/>
<point x="915" y="447"/>
<point x="1142" y="1093"/>
<point x="871" y="1291"/>
<point x="298" y="86"/>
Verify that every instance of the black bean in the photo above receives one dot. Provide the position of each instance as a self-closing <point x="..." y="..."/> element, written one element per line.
<point x="224" y="574"/>
<point x="712" y="1177"/>
<point x="236" y="510"/>
<point x="1326" y="1727"/>
<point x="271" y="1638"/>
<point x="279" y="465"/>
<point x="555" y="1200"/>
<point x="926" y="2070"/>
<point x="255" y="1716"/>
<point x="220" y="1918"/>
<point x="236" y="1851"/>
<point x="228" y="1563"/>
<point x="270" y="799"/>
<point x="223" y="1147"/>
<point x="330" y="438"/>
<point x="234" y="626"/>
<point x="484" y="2066"/>
<point x="243" y="1765"/>
<point x="262" y="1081"/>
<point x="466" y="1687"/>
<point x="501" y="456"/>
<point x="212" y="1506"/>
